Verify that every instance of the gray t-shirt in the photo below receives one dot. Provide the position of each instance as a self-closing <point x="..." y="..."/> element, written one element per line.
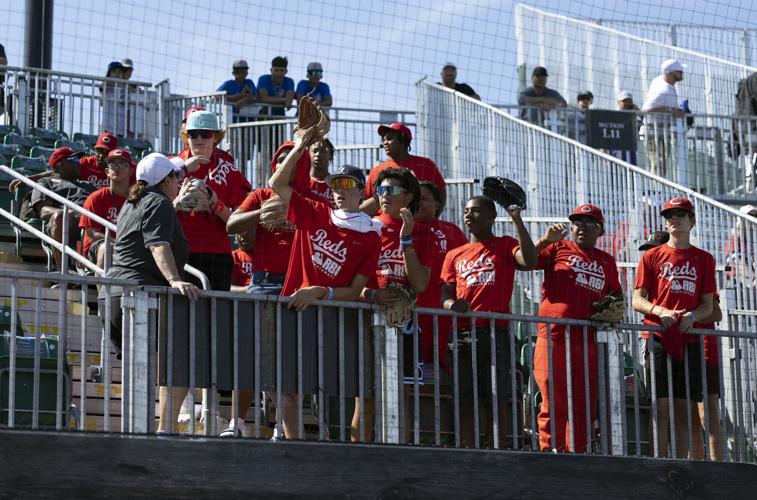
<point x="149" y="221"/>
<point x="532" y="114"/>
<point x="75" y="191"/>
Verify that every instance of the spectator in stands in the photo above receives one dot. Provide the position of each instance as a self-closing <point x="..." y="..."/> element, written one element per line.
<point x="712" y="369"/>
<point x="740" y="254"/>
<point x="662" y="109"/>
<point x="576" y="273"/>
<point x="329" y="273"/>
<point x="405" y="259"/>
<point x="64" y="181"/>
<point x="91" y="168"/>
<point x="321" y="156"/>
<point x="276" y="89"/>
<point x="106" y="202"/>
<point x="585" y="99"/>
<point x="128" y="68"/>
<point x="3" y="62"/>
<point x="151" y="248"/>
<point x="243" y="264"/>
<point x="114" y="107"/>
<point x="449" y="75"/>
<point x="674" y="288"/>
<point x="210" y="248"/>
<point x="479" y="276"/>
<point x="240" y="91"/>
<point x="625" y="103"/>
<point x="446" y="236"/>
<point x="396" y="139"/>
<point x="314" y="87"/>
<point x="576" y="121"/>
<point x="537" y="99"/>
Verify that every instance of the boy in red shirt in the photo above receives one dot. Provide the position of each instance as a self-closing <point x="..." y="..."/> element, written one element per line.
<point x="576" y="273"/>
<point x="106" y="202"/>
<point x="334" y="252"/>
<point x="675" y="285"/>
<point x="243" y="266"/>
<point x="479" y="276"/>
<point x="396" y="139"/>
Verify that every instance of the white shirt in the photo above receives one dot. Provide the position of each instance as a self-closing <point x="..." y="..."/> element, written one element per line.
<point x="660" y="94"/>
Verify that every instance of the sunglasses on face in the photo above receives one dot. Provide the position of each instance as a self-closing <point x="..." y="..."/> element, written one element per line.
<point x="315" y="73"/>
<point x="390" y="190"/>
<point x="74" y="160"/>
<point x="343" y="183"/>
<point x="589" y="224"/>
<point x="196" y="134"/>
<point x="680" y="213"/>
<point x="118" y="165"/>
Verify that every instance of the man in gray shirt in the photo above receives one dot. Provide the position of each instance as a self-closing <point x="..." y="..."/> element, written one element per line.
<point x="537" y="99"/>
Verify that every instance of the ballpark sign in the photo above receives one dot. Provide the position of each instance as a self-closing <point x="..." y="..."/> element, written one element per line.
<point x="611" y="130"/>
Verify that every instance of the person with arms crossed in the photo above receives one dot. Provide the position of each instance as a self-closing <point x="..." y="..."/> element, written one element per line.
<point x="277" y="89"/>
<point x="313" y="87"/>
<point x="240" y="91"/>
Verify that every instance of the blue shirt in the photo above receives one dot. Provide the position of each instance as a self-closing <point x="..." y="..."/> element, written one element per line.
<point x="265" y="82"/>
<point x="318" y="93"/>
<point x="231" y="87"/>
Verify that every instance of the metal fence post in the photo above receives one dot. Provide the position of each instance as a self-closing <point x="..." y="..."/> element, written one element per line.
<point x="141" y="383"/>
<point x="389" y="379"/>
<point x="680" y="153"/>
<point x="615" y="393"/>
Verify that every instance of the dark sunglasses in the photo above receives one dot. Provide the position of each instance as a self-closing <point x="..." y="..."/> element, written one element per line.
<point x="315" y="72"/>
<point x="390" y="190"/>
<point x="679" y="212"/>
<point x="196" y="134"/>
<point x="590" y="224"/>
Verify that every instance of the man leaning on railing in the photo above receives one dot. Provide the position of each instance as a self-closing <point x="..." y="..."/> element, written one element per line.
<point x="537" y="99"/>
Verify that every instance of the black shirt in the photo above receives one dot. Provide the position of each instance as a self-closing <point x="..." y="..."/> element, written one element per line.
<point x="464" y="88"/>
<point x="149" y="221"/>
<point x="75" y="191"/>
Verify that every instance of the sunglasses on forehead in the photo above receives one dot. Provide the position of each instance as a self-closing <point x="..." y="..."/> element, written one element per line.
<point x="390" y="190"/>
<point x="343" y="183"/>
<point x="196" y="134"/>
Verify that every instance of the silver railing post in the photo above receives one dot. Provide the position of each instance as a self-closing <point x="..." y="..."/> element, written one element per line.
<point x="22" y="82"/>
<point x="141" y="385"/>
<point x="389" y="378"/>
<point x="680" y="153"/>
<point x="615" y="392"/>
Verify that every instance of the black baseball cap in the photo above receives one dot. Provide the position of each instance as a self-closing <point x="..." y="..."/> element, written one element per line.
<point x="348" y="171"/>
<point x="585" y="94"/>
<point x="539" y="71"/>
<point x="655" y="240"/>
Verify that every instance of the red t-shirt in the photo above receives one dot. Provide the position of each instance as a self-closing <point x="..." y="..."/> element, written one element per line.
<point x="423" y="168"/>
<point x="105" y="204"/>
<point x="445" y="236"/>
<point x="319" y="191"/>
<point x="710" y="341"/>
<point x="675" y="279"/>
<point x="205" y="231"/>
<point x="243" y="267"/>
<point x="324" y="254"/>
<point x="574" y="277"/>
<point x="91" y="172"/>
<point x="483" y="274"/>
<point x="391" y="263"/>
<point x="272" y="248"/>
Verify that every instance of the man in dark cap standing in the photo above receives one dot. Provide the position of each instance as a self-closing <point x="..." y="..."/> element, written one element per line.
<point x="537" y="98"/>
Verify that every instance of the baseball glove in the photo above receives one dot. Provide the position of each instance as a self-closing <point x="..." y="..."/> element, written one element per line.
<point x="400" y="313"/>
<point x="195" y="196"/>
<point x="273" y="214"/>
<point x="609" y="310"/>
<point x="311" y="115"/>
<point x="504" y="192"/>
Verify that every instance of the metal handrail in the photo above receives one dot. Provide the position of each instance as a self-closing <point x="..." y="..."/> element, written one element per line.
<point x="82" y="211"/>
<point x="75" y="75"/>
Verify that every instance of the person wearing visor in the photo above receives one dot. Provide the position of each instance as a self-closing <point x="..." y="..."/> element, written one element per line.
<point x="65" y="181"/>
<point x="576" y="274"/>
<point x="335" y="251"/>
<point x="150" y="248"/>
<point x="314" y="87"/>
<point x="675" y="288"/>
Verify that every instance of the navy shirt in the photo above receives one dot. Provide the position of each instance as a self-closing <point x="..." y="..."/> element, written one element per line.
<point x="287" y="85"/>
<point x="149" y="221"/>
<point x="532" y="114"/>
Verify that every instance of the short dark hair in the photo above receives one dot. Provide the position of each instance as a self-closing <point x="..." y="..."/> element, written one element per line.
<point x="487" y="202"/>
<point x="436" y="193"/>
<point x="402" y="137"/>
<point x="330" y="147"/>
<point x="279" y="62"/>
<point x="408" y="181"/>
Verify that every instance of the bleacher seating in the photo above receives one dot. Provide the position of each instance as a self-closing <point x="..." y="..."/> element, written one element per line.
<point x="10" y="150"/>
<point x="41" y="152"/>
<point x="76" y="146"/>
<point x="88" y="140"/>
<point x="48" y="137"/>
<point x="25" y="142"/>
<point x="28" y="164"/>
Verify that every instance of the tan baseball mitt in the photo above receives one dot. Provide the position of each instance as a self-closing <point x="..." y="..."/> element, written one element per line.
<point x="401" y="312"/>
<point x="273" y="214"/>
<point x="195" y="196"/>
<point x="609" y="310"/>
<point x="311" y="115"/>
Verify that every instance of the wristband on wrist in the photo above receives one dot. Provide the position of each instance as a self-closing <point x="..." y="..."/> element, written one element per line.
<point x="329" y="293"/>
<point x="693" y="316"/>
<point x="219" y="207"/>
<point x="371" y="295"/>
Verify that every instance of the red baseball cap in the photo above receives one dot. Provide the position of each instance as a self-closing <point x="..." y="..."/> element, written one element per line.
<point x="190" y="111"/>
<point x="106" y="140"/>
<point x="399" y="127"/>
<point x="588" y="209"/>
<point x="62" y="154"/>
<point x="120" y="153"/>
<point x="678" y="203"/>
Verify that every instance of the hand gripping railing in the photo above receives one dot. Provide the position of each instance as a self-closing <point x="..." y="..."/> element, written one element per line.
<point x="65" y="249"/>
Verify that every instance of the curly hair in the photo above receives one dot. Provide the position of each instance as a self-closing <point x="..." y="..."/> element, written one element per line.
<point x="407" y="181"/>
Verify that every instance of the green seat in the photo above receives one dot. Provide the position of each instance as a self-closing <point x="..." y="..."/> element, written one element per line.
<point x="48" y="137"/>
<point x="28" y="165"/>
<point x="5" y="321"/>
<point x="10" y="150"/>
<point x="76" y="146"/>
<point x="138" y="147"/>
<point x="25" y="142"/>
<point x="88" y="140"/>
<point x="41" y="152"/>
<point x="9" y="129"/>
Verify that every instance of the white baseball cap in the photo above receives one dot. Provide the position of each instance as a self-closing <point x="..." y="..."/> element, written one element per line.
<point x="127" y="63"/>
<point x="670" y="65"/>
<point x="153" y="168"/>
<point x="749" y="210"/>
<point x="623" y="95"/>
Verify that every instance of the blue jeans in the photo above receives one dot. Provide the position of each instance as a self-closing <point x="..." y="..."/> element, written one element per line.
<point x="266" y="283"/>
